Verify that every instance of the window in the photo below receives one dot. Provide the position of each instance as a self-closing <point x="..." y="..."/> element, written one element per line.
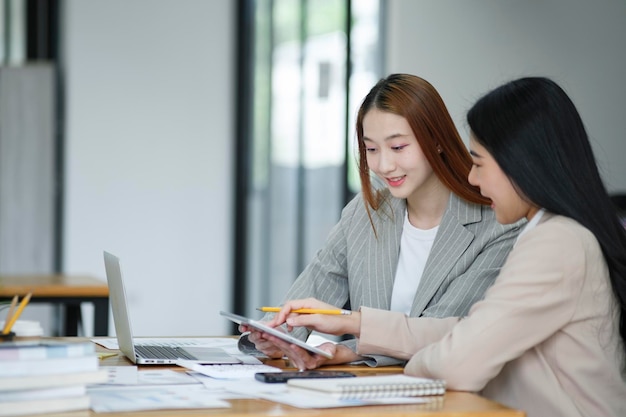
<point x="305" y="66"/>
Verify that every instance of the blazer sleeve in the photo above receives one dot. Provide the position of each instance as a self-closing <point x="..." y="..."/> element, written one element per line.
<point x="534" y="296"/>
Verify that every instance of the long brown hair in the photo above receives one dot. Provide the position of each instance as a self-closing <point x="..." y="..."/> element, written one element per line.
<point x="420" y="104"/>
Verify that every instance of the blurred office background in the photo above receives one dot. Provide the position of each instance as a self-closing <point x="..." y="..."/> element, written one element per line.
<point x="209" y="143"/>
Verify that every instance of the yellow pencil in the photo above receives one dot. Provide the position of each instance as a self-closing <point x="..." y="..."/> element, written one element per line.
<point x="9" y="314"/>
<point x="308" y="311"/>
<point x="17" y="314"/>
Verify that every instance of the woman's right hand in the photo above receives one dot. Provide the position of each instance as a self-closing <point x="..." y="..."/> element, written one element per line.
<point x="324" y="323"/>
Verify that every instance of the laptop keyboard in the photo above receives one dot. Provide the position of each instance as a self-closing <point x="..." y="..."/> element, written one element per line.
<point x="162" y="352"/>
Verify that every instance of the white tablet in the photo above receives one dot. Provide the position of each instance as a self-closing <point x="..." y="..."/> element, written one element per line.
<point x="274" y="332"/>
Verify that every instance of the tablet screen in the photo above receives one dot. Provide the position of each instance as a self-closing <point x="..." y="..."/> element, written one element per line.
<point x="274" y="332"/>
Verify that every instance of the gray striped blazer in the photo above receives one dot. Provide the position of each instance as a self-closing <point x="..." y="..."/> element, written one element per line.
<point x="357" y="267"/>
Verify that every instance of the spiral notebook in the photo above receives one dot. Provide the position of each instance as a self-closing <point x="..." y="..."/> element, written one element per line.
<point x="377" y="386"/>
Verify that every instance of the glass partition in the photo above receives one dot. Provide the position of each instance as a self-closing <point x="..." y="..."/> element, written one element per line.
<point x="311" y="64"/>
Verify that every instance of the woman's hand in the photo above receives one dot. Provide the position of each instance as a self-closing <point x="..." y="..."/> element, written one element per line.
<point x="324" y="323"/>
<point x="303" y="359"/>
<point x="261" y="343"/>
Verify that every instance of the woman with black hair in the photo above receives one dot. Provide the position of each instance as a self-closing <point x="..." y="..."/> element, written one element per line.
<point x="421" y="240"/>
<point x="550" y="335"/>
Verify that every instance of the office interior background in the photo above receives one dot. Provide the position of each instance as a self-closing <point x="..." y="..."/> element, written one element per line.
<point x="209" y="143"/>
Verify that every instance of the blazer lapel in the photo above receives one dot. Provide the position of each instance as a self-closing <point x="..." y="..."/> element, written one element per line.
<point x="450" y="243"/>
<point x="382" y="256"/>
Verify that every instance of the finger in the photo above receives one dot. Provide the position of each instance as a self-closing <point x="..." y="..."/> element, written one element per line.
<point x="286" y="347"/>
<point x="255" y="337"/>
<point x="268" y="348"/>
<point x="311" y="321"/>
<point x="303" y="358"/>
<point x="297" y="358"/>
<point x="261" y="342"/>
<point x="289" y="306"/>
<point x="300" y="358"/>
<point x="260" y="338"/>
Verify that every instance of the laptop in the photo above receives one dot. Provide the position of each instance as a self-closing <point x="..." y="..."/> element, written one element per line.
<point x="154" y="354"/>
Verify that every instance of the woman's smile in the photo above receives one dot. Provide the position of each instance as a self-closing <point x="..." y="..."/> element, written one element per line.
<point x="396" y="181"/>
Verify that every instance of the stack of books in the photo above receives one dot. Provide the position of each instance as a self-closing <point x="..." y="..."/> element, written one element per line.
<point x="46" y="376"/>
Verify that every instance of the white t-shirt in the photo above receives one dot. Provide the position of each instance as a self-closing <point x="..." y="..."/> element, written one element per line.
<point x="415" y="246"/>
<point x="531" y="224"/>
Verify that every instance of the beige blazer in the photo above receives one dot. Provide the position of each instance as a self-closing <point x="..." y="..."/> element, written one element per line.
<point x="544" y="339"/>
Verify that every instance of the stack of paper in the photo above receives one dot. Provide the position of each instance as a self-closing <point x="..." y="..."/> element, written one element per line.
<point x="45" y="377"/>
<point x="130" y="389"/>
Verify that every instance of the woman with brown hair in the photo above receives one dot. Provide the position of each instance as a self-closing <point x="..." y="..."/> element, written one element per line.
<point x="426" y="244"/>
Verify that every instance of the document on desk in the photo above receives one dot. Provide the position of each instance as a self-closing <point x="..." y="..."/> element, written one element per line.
<point x="159" y="397"/>
<point x="130" y="375"/>
<point x="228" y="371"/>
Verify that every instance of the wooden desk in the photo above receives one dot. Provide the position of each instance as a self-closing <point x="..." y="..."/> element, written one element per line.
<point x="64" y="290"/>
<point x="457" y="404"/>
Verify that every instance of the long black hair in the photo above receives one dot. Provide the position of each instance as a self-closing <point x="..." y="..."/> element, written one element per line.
<point x="534" y="132"/>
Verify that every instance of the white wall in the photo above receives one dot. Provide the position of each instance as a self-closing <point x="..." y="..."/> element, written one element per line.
<point x="149" y="142"/>
<point x="150" y="135"/>
<point x="465" y="48"/>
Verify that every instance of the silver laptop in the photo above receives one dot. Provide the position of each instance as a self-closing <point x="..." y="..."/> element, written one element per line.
<point x="155" y="354"/>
